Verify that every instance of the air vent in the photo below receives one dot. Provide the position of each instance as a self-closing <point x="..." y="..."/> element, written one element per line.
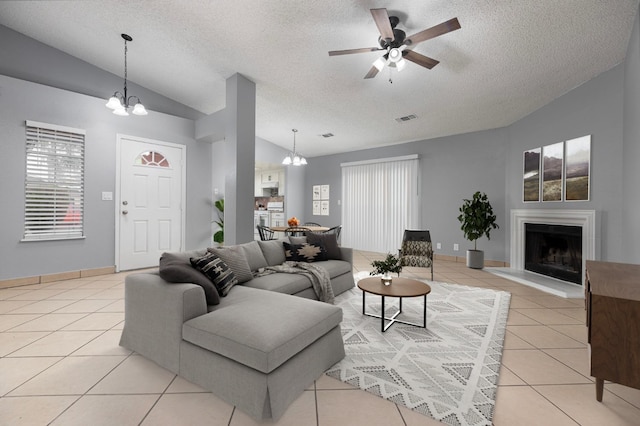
<point x="406" y="118"/>
<point x="327" y="135"/>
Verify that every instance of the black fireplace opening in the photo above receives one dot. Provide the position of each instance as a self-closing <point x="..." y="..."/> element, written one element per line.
<point x="554" y="250"/>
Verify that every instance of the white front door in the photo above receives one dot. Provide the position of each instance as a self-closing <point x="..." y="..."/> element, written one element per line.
<point x="149" y="202"/>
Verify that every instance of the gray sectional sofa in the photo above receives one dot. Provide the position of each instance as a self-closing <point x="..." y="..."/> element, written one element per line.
<point x="260" y="347"/>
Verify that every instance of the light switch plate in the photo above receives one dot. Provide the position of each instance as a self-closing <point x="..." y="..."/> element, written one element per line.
<point x="107" y="196"/>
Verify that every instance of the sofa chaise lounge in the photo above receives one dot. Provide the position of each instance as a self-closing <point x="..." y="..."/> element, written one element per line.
<point x="260" y="347"/>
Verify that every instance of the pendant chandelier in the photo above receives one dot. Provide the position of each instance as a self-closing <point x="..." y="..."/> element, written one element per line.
<point x="120" y="102"/>
<point x="294" y="159"/>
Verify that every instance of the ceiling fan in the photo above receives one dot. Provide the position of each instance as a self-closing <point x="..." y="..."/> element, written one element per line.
<point x="392" y="40"/>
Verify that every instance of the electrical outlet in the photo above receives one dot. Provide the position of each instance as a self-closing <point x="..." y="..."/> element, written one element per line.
<point x="438" y="246"/>
<point x="456" y="247"/>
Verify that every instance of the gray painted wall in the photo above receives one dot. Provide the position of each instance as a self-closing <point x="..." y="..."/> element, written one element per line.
<point x="451" y="169"/>
<point x="21" y="100"/>
<point x="631" y="151"/>
<point x="28" y="59"/>
<point x="596" y="109"/>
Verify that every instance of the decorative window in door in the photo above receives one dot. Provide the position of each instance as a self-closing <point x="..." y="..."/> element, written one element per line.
<point x="152" y="158"/>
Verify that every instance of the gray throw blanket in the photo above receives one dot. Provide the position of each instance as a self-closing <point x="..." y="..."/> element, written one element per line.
<point x="319" y="277"/>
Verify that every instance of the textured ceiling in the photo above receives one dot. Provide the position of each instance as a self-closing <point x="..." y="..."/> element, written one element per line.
<point x="509" y="58"/>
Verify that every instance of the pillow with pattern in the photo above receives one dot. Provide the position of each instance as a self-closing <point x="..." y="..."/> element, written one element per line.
<point x="304" y="252"/>
<point x="217" y="271"/>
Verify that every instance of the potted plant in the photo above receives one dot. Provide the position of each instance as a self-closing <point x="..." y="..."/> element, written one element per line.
<point x="385" y="267"/>
<point x="218" y="237"/>
<point x="477" y="219"/>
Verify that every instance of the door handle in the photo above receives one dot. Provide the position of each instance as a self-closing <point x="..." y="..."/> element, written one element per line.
<point x="125" y="212"/>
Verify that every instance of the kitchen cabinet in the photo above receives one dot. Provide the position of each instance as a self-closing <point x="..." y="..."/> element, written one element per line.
<point x="269" y="177"/>
<point x="266" y="180"/>
<point x="612" y="298"/>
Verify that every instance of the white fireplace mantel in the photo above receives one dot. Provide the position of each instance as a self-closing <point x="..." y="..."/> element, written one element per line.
<point x="583" y="218"/>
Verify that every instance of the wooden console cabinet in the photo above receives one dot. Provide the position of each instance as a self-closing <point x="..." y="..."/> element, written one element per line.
<point x="612" y="297"/>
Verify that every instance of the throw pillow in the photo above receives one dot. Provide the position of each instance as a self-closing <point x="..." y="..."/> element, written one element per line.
<point x="273" y="252"/>
<point x="217" y="271"/>
<point x="176" y="268"/>
<point x="297" y="240"/>
<point x="234" y="257"/>
<point x="255" y="258"/>
<point x="304" y="252"/>
<point x="328" y="241"/>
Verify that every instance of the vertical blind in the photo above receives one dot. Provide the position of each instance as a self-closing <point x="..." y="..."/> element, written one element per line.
<point x="380" y="201"/>
<point x="54" y="182"/>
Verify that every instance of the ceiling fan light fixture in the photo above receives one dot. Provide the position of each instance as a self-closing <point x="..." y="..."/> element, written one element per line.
<point x="379" y="63"/>
<point x="399" y="65"/>
<point x="395" y="54"/>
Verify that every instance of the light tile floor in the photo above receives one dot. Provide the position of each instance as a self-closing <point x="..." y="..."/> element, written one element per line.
<point x="60" y="364"/>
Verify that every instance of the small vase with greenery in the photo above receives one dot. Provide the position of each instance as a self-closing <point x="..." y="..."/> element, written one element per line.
<point x="385" y="267"/>
<point x="477" y="219"/>
<point x="218" y="237"/>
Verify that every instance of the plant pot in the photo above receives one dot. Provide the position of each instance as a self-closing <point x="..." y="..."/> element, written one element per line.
<point x="475" y="259"/>
<point x="386" y="278"/>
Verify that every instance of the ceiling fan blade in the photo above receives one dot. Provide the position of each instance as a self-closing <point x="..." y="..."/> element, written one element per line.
<point x="419" y="59"/>
<point x="381" y="17"/>
<point x="429" y="33"/>
<point x="372" y="72"/>
<point x="350" y="51"/>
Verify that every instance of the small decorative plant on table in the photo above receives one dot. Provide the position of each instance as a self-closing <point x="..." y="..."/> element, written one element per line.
<point x="386" y="267"/>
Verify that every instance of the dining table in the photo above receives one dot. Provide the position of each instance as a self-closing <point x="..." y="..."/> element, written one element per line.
<point x="311" y="228"/>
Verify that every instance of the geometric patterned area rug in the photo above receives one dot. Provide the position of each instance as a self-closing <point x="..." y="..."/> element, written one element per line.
<point x="448" y="371"/>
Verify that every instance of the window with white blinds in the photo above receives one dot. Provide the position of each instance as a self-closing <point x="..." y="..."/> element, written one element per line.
<point x="54" y="182"/>
<point x="380" y="200"/>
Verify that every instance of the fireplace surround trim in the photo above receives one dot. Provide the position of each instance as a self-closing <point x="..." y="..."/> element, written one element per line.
<point x="583" y="218"/>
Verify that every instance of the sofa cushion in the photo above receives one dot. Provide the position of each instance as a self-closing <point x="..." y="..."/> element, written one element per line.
<point x="281" y="283"/>
<point x="217" y="271"/>
<point x="328" y="241"/>
<point x="176" y="268"/>
<point x="336" y="268"/>
<point x="273" y="252"/>
<point x="235" y="258"/>
<point x="253" y="253"/>
<point x="261" y="330"/>
<point x="304" y="252"/>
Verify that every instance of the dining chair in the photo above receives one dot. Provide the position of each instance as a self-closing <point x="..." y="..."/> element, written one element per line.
<point x="416" y="249"/>
<point x="296" y="231"/>
<point x="334" y="230"/>
<point x="311" y="224"/>
<point x="265" y="233"/>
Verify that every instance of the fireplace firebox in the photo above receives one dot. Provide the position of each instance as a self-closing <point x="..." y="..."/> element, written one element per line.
<point x="554" y="250"/>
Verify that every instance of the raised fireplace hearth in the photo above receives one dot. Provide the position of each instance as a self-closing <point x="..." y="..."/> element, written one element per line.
<point x="568" y="232"/>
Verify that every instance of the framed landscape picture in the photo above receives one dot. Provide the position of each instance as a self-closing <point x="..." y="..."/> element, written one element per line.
<point x="577" y="169"/>
<point x="531" y="175"/>
<point x="552" y="171"/>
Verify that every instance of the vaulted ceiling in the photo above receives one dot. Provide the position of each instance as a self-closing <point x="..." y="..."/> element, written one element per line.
<point x="508" y="59"/>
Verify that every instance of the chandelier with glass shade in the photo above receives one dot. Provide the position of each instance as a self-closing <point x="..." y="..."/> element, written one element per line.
<point x="294" y="158"/>
<point x="120" y="102"/>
